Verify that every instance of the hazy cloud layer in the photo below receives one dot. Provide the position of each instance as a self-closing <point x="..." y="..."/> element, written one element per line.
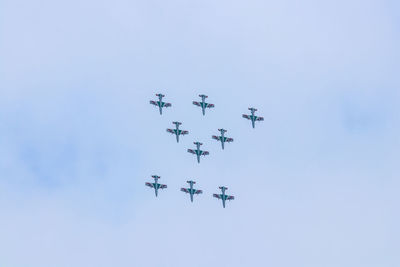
<point x="316" y="183"/>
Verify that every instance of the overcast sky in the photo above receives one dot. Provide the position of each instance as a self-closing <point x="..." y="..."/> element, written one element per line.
<point x="316" y="184"/>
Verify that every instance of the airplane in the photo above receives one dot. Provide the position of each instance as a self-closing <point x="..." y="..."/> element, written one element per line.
<point x="177" y="131"/>
<point x="222" y="137"/>
<point x="252" y="117"/>
<point x="197" y="151"/>
<point x="156" y="185"/>
<point x="203" y="104"/>
<point x="191" y="190"/>
<point x="160" y="104"/>
<point x="223" y="196"/>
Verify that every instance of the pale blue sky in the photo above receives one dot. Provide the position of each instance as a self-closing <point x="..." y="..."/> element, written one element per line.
<point x="316" y="183"/>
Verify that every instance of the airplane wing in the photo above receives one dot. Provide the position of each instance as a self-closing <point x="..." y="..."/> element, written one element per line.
<point x="149" y="185"/>
<point x="205" y="153"/>
<point x="210" y="105"/>
<point x="167" y="105"/>
<point x="153" y="103"/>
<point x="184" y="190"/>
<point x="217" y="196"/>
<point x="246" y="116"/>
<point x="216" y="137"/>
<point x="229" y="140"/>
<point x="170" y="131"/>
<point x="259" y="119"/>
<point x="230" y="198"/>
<point x="184" y="132"/>
<point x="196" y="103"/>
<point x="191" y="151"/>
<point x="162" y="186"/>
<point x="198" y="191"/>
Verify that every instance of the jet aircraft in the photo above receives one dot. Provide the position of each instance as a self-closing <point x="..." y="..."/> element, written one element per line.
<point x="223" y="196"/>
<point x="177" y="131"/>
<point x="222" y="137"/>
<point x="197" y="151"/>
<point x="160" y="104"/>
<point x="252" y="117"/>
<point x="191" y="190"/>
<point x="156" y="185"/>
<point x="203" y="104"/>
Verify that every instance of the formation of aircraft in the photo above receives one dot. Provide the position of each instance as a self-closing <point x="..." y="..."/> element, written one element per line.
<point x="177" y="131"/>
<point x="191" y="190"/>
<point x="156" y="185"/>
<point x="198" y="152"/>
<point x="222" y="138"/>
<point x="203" y="104"/>
<point x="160" y="104"/>
<point x="252" y="117"/>
<point x="223" y="196"/>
